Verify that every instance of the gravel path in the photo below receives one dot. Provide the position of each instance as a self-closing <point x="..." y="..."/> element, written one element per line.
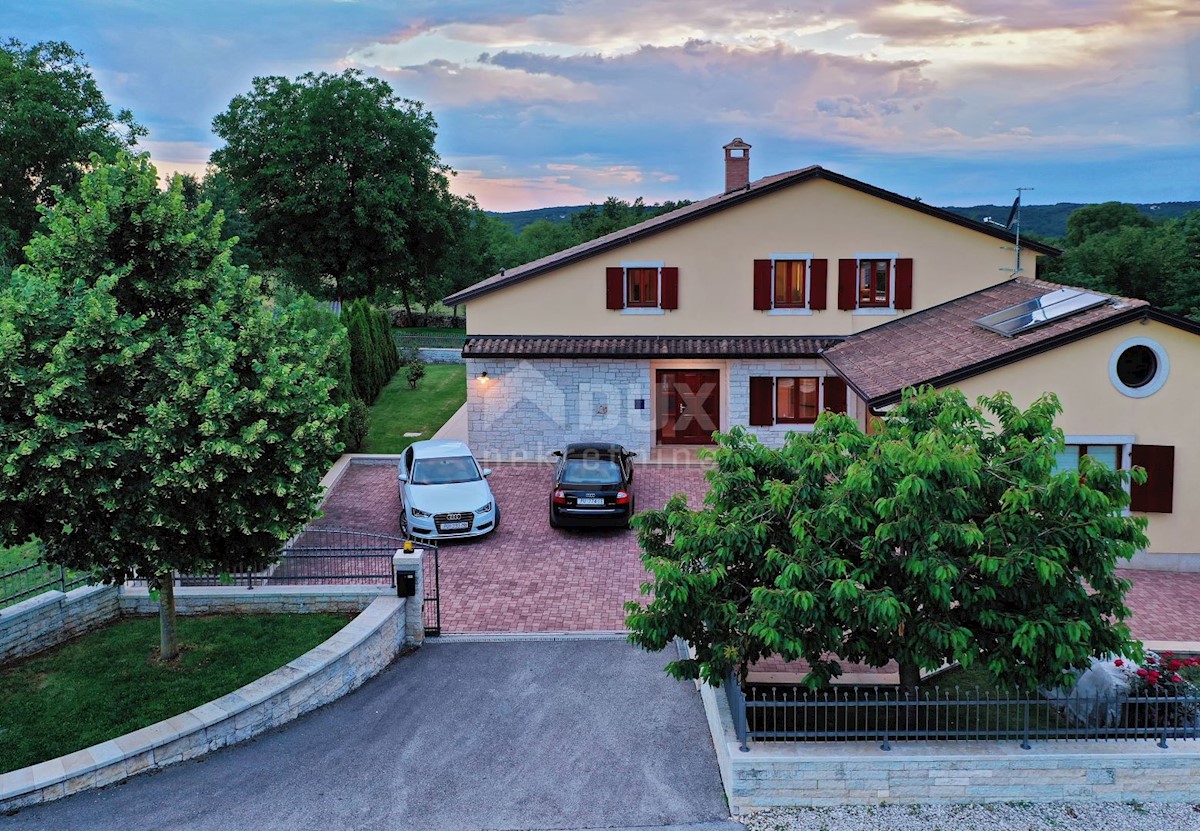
<point x="995" y="817"/>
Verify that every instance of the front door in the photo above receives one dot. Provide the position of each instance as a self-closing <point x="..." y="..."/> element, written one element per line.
<point x="689" y="405"/>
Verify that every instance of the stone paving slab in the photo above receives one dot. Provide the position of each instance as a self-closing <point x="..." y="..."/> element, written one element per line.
<point x="525" y="577"/>
<point x="528" y="577"/>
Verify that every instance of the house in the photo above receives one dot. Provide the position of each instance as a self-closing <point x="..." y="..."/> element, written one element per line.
<point x="809" y="290"/>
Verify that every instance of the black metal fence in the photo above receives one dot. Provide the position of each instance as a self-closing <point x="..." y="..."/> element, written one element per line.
<point x="32" y="580"/>
<point x="796" y="714"/>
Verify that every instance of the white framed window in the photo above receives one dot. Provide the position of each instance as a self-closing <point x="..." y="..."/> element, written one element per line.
<point x="791" y="283"/>
<point x="643" y="288"/>
<point x="875" y="282"/>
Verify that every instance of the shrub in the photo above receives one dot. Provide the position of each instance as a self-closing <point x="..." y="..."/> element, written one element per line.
<point x="415" y="372"/>
<point x="358" y="422"/>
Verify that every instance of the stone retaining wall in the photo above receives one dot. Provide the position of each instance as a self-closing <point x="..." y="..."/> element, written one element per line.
<point x="860" y="773"/>
<point x="53" y="617"/>
<point x="359" y="651"/>
<point x="439" y="355"/>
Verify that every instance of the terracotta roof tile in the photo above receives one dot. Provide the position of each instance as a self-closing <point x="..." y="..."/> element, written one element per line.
<point x="642" y="346"/>
<point x="946" y="341"/>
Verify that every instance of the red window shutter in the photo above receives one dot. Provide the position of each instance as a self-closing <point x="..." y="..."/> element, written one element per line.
<point x="762" y="284"/>
<point x="670" y="288"/>
<point x="835" y="394"/>
<point x="1157" y="495"/>
<point x="818" y="280"/>
<point x="762" y="402"/>
<point x="904" y="271"/>
<point x="615" y="283"/>
<point x="847" y="284"/>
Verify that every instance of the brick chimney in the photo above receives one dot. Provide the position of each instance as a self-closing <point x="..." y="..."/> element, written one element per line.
<point x="737" y="165"/>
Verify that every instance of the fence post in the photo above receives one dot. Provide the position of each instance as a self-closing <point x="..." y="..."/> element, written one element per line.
<point x="1165" y="719"/>
<point x="1025" y="741"/>
<point x="884" y="713"/>
<point x="737" y="704"/>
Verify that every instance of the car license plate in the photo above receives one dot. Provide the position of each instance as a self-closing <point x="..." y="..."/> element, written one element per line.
<point x="589" y="500"/>
<point x="454" y="526"/>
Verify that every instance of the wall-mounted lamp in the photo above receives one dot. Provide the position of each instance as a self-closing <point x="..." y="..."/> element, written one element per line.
<point x="483" y="376"/>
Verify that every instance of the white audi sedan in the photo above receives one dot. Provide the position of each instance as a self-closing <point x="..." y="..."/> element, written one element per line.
<point x="444" y="493"/>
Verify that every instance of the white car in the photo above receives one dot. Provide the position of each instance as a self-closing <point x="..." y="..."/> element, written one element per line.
<point x="444" y="493"/>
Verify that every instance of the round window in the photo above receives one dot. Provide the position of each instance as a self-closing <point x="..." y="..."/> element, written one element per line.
<point x="1136" y="366"/>
<point x="1139" y="367"/>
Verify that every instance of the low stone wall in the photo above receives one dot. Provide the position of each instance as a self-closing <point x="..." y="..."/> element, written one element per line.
<point x="261" y="600"/>
<point x="359" y="651"/>
<point x="860" y="773"/>
<point x="438" y="355"/>
<point x="54" y="617"/>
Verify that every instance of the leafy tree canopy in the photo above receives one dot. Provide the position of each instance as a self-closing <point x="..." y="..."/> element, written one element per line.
<point x="52" y="118"/>
<point x="340" y="179"/>
<point x="158" y="415"/>
<point x="939" y="538"/>
<point x="1123" y="252"/>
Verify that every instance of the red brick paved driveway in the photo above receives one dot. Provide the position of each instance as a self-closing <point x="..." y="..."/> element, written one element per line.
<point x="525" y="577"/>
<point x="528" y="577"/>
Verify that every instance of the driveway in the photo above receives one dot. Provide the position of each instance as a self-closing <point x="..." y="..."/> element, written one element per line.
<point x="525" y="577"/>
<point x="455" y="737"/>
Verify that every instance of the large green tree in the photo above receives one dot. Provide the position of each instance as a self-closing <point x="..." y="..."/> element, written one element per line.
<point x="942" y="537"/>
<point x="52" y="118"/>
<point x="340" y="179"/>
<point x="158" y="415"/>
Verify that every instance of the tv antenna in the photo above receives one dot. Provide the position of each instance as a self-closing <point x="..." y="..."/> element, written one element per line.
<point x="1012" y="224"/>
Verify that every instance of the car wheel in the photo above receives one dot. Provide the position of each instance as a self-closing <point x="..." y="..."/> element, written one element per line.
<point x="403" y="523"/>
<point x="496" y="522"/>
<point x="553" y="521"/>
<point x="632" y="511"/>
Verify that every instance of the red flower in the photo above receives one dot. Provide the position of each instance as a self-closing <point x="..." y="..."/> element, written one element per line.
<point x="1176" y="679"/>
<point x="1118" y="663"/>
<point x="1174" y="665"/>
<point x="1142" y="673"/>
<point x="1150" y="659"/>
<point x="1167" y="654"/>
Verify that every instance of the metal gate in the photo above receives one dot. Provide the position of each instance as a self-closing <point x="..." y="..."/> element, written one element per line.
<point x="336" y="556"/>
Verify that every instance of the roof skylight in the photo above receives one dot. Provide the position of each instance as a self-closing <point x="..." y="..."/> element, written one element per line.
<point x="1039" y="311"/>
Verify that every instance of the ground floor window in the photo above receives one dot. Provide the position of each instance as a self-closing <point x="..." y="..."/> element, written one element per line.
<point x="1108" y="455"/>
<point x="794" y="399"/>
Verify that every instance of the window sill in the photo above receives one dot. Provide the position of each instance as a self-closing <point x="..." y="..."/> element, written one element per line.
<point x="637" y="310"/>
<point x="786" y="427"/>
<point x="789" y="312"/>
<point x="874" y="312"/>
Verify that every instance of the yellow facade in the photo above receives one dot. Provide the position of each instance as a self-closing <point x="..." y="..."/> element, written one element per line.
<point x="715" y="256"/>
<point x="1093" y="407"/>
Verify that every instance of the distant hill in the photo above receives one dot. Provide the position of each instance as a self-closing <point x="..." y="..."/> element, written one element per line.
<point x="519" y="219"/>
<point x="1050" y="221"/>
<point x="1045" y="221"/>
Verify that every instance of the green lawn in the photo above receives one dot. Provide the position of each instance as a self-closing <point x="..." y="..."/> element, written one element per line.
<point x="400" y="410"/>
<point x="17" y="557"/>
<point x="108" y="683"/>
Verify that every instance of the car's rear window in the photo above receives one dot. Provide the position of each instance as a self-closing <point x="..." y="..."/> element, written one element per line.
<point x="591" y="472"/>
<point x="447" y="471"/>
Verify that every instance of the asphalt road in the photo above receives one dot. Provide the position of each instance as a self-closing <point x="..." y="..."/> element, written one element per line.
<point x="454" y="737"/>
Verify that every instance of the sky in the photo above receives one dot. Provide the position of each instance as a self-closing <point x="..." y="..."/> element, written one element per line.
<point x="563" y="102"/>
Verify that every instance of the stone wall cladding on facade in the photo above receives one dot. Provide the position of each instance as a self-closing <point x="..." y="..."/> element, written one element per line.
<point x="527" y="408"/>
<point x="740" y="373"/>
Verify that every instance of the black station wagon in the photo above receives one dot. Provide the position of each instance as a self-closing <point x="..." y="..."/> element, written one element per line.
<point x="593" y="486"/>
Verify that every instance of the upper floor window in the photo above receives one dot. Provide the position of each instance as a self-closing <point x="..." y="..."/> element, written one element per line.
<point x="874" y="283"/>
<point x="790" y="278"/>
<point x="790" y="284"/>
<point x="642" y="288"/>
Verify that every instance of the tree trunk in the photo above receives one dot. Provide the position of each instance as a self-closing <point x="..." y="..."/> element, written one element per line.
<point x="168" y="643"/>
<point x="407" y="302"/>
<point x="910" y="677"/>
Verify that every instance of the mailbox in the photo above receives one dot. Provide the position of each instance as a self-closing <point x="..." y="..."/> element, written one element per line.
<point x="406" y="584"/>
